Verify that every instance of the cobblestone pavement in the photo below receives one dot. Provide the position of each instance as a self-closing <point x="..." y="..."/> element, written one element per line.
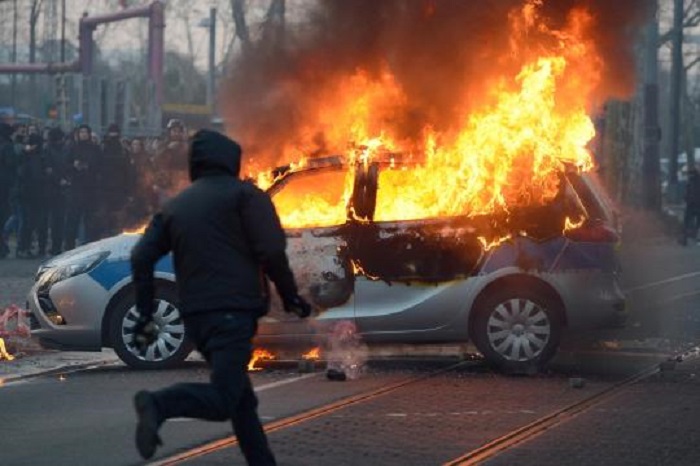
<point x="654" y="422"/>
<point x="426" y="423"/>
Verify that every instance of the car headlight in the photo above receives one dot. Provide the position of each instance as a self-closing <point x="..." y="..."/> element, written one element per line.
<point x="76" y="266"/>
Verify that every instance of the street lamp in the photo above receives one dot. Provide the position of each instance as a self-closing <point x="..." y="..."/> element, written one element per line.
<point x="210" y="23"/>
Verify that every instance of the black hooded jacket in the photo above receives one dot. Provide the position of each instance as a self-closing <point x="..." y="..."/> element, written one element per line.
<point x="224" y="234"/>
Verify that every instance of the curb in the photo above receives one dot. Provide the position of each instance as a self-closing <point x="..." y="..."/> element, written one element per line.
<point x="62" y="369"/>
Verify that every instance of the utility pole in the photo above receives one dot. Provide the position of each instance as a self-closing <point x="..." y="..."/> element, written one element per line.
<point x="211" y="83"/>
<point x="62" y="98"/>
<point x="676" y="81"/>
<point x="651" y="198"/>
<point x="14" y="53"/>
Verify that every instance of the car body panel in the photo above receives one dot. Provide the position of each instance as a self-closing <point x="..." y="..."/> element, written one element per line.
<point x="400" y="281"/>
<point x="82" y="311"/>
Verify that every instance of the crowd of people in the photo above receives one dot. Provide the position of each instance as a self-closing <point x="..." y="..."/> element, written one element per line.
<point x="60" y="189"/>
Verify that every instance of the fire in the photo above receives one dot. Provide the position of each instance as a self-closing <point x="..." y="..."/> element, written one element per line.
<point x="314" y="354"/>
<point x="4" y="354"/>
<point x="489" y="245"/>
<point x="358" y="270"/>
<point x="259" y="354"/>
<point x="136" y="231"/>
<point x="506" y="150"/>
<point x="572" y="225"/>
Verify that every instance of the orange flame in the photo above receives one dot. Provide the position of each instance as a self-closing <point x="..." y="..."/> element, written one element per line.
<point x="572" y="225"/>
<point x="314" y="354"/>
<point x="4" y="354"/>
<point x="136" y="231"/>
<point x="506" y="151"/>
<point x="259" y="354"/>
<point x="358" y="270"/>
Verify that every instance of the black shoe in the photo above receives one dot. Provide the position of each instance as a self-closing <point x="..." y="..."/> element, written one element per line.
<point x="147" y="439"/>
<point x="336" y="375"/>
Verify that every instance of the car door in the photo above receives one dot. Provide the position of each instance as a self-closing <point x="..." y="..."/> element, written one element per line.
<point x="410" y="272"/>
<point x="313" y="208"/>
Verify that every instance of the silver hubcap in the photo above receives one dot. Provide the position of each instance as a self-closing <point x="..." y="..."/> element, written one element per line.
<point x="171" y="332"/>
<point x="518" y="329"/>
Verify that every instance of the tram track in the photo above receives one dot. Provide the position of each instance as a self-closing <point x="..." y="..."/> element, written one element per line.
<point x="479" y="455"/>
<point x="551" y="421"/>
<point x="300" y="418"/>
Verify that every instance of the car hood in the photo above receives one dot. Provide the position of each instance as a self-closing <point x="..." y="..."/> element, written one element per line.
<point x="119" y="247"/>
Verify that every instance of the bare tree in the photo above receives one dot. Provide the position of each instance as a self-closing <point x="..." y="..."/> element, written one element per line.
<point x="239" y="19"/>
<point x="691" y="19"/>
<point x="34" y="13"/>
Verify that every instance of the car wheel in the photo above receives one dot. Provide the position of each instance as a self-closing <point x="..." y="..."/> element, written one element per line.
<point x="171" y="347"/>
<point x="517" y="329"/>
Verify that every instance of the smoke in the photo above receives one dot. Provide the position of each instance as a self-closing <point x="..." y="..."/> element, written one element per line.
<point x="442" y="55"/>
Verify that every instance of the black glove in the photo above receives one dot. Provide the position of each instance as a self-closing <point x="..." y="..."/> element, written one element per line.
<point x="145" y="332"/>
<point x="297" y="305"/>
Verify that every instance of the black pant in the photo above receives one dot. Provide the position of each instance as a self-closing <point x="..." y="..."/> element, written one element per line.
<point x="57" y="212"/>
<point x="225" y="340"/>
<point x="35" y="221"/>
<point x="5" y="213"/>
<point x="691" y="221"/>
<point x="80" y="207"/>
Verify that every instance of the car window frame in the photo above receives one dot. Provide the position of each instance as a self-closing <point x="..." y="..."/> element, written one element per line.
<point x="286" y="176"/>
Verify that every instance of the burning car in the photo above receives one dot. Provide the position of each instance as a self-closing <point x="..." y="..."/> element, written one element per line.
<point x="423" y="280"/>
<point x="463" y="204"/>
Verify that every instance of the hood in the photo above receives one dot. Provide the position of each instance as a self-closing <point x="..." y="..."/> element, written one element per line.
<point x="212" y="154"/>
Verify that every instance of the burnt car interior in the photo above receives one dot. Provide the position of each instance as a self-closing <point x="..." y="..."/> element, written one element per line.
<point x="428" y="250"/>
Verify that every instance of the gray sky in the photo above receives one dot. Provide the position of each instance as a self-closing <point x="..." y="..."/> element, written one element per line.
<point x="182" y="18"/>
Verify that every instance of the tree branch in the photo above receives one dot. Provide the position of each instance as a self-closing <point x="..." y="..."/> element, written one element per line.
<point x="238" y="13"/>
<point x="689" y="21"/>
<point x="692" y="63"/>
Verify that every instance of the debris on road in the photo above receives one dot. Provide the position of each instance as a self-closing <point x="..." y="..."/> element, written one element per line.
<point x="577" y="382"/>
<point x="13" y="325"/>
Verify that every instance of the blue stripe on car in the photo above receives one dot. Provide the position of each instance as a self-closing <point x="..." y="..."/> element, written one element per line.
<point x="109" y="273"/>
<point x="555" y="255"/>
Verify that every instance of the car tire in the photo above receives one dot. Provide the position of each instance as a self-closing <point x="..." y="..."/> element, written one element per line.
<point x="517" y="329"/>
<point x="172" y="345"/>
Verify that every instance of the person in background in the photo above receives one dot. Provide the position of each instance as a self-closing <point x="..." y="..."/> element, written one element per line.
<point x="8" y="174"/>
<point x="20" y="137"/>
<point x="114" y="173"/>
<point x="13" y="225"/>
<point x="83" y="160"/>
<point x="56" y="187"/>
<point x="691" y="220"/>
<point x="33" y="129"/>
<point x="32" y="182"/>
<point x="170" y="162"/>
<point x="144" y="198"/>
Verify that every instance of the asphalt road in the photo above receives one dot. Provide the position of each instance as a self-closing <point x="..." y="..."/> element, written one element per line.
<point x="86" y="417"/>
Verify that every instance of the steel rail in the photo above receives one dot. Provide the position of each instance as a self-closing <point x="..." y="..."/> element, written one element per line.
<point x="552" y="420"/>
<point x="302" y="417"/>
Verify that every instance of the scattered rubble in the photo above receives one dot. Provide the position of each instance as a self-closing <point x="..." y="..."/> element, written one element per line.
<point x="15" y="337"/>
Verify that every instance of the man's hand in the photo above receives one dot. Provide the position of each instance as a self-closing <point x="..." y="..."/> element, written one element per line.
<point x="297" y="305"/>
<point x="145" y="332"/>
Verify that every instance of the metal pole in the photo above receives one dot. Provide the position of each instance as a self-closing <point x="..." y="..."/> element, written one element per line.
<point x="14" y="52"/>
<point x="650" y="163"/>
<point x="63" y="104"/>
<point x="63" y="31"/>
<point x="211" y="85"/>
<point x="676" y="76"/>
